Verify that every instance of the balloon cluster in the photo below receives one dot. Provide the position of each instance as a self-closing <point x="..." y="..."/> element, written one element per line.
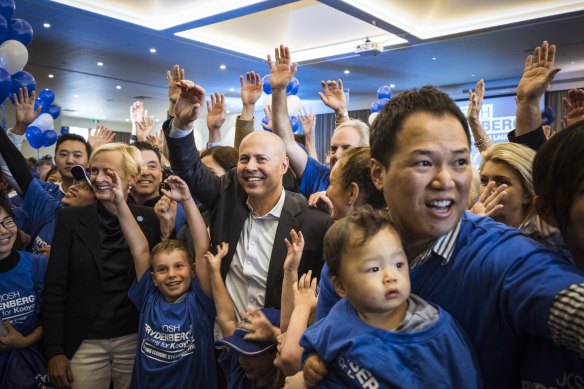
<point x="41" y="132"/>
<point x="294" y="103"/>
<point x="383" y="96"/>
<point x="548" y="116"/>
<point x="15" y="35"/>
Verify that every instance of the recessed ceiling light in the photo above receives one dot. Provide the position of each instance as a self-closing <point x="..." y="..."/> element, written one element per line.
<point x="231" y="106"/>
<point x="392" y="85"/>
<point x="433" y="58"/>
<point x="573" y="62"/>
<point x="228" y="111"/>
<point x="51" y="76"/>
<point x="118" y="87"/>
<point x="75" y="95"/>
<point x="47" y="25"/>
<point x="100" y="64"/>
<point x="157" y="120"/>
<point x="127" y="119"/>
<point x="347" y="71"/>
<point x="103" y="117"/>
<point x="231" y="89"/>
<point x="153" y="50"/>
<point x="222" y="67"/>
<point x="472" y="75"/>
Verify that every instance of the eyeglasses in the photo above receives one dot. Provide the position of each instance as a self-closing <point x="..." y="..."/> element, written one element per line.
<point x="8" y="223"/>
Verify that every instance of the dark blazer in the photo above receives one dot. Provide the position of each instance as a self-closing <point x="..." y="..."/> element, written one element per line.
<point x="226" y="200"/>
<point x="73" y="284"/>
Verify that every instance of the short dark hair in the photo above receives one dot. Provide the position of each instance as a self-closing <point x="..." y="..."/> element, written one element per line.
<point x="558" y="171"/>
<point x="73" y="137"/>
<point x="141" y="145"/>
<point x="356" y="168"/>
<point x="225" y="156"/>
<point x="352" y="230"/>
<point x="390" y="120"/>
<point x="168" y="246"/>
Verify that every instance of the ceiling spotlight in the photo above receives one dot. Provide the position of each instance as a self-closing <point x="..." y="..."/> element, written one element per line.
<point x="347" y="71"/>
<point x="433" y="58"/>
<point x="157" y="120"/>
<point x="75" y="95"/>
<point x="118" y="87"/>
<point x="51" y="76"/>
<point x="392" y="86"/>
<point x="47" y="25"/>
<point x="228" y="111"/>
<point x="153" y="50"/>
<point x="231" y="89"/>
<point x="100" y="64"/>
<point x="222" y="67"/>
<point x="103" y="117"/>
<point x="127" y="119"/>
<point x="573" y="62"/>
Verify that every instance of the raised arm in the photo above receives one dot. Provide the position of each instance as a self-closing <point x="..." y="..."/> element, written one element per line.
<point x="25" y="113"/>
<point x="134" y="236"/>
<point x="295" y="247"/>
<point x="173" y="78"/>
<point x="538" y="73"/>
<point x="251" y="91"/>
<point x="215" y="118"/>
<point x="333" y="96"/>
<point x="226" y="316"/>
<point x="15" y="162"/>
<point x="282" y="71"/>
<point x="475" y="103"/>
<point x="308" y="121"/>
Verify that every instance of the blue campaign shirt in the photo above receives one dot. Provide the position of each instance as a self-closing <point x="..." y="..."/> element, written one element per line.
<point x="315" y="177"/>
<point x="21" y="294"/>
<point x="499" y="285"/>
<point x="361" y="356"/>
<point x="53" y="189"/>
<point x="175" y="340"/>
<point x="41" y="205"/>
<point x="234" y="373"/>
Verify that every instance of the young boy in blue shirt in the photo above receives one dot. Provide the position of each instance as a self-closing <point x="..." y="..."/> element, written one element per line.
<point x="379" y="335"/>
<point x="175" y="337"/>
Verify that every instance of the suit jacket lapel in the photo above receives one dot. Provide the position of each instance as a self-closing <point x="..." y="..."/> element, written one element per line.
<point x="88" y="234"/>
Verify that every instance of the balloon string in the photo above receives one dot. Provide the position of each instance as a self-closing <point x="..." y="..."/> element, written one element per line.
<point x="3" y="109"/>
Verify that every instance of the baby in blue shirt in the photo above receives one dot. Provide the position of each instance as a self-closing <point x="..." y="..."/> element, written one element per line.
<point x="379" y="335"/>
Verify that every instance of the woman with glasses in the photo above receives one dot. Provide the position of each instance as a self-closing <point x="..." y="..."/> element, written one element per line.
<point x="90" y="324"/>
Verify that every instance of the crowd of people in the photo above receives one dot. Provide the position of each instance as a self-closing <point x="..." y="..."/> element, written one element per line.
<point x="164" y="263"/>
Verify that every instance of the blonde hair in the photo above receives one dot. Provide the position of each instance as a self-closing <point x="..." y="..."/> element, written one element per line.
<point x="475" y="188"/>
<point x="361" y="127"/>
<point x="520" y="159"/>
<point x="132" y="157"/>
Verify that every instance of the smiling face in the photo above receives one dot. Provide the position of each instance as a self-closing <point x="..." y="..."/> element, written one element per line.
<point x="69" y="154"/>
<point x="374" y="277"/>
<point x="343" y="139"/>
<point x="147" y="185"/>
<point x="261" y="166"/>
<point x="428" y="177"/>
<point x="8" y="231"/>
<point x="172" y="274"/>
<point x="79" y="194"/>
<point x="101" y="182"/>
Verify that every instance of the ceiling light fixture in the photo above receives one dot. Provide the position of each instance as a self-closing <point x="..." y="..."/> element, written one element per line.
<point x="347" y="71"/>
<point x="392" y="86"/>
<point x="118" y="87"/>
<point x="100" y="64"/>
<point x="51" y="76"/>
<point x="231" y="89"/>
<point x="433" y="58"/>
<point x="75" y="95"/>
<point x="222" y="67"/>
<point x="47" y="25"/>
<point x="153" y="50"/>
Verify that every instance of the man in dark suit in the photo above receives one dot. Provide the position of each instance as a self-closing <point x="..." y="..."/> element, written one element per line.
<point x="248" y="206"/>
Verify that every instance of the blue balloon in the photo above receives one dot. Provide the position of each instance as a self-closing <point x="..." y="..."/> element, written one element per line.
<point x="7" y="8"/>
<point x="53" y="109"/>
<point x="548" y="116"/>
<point x="3" y="29"/>
<point x="34" y="135"/>
<point x="382" y="102"/>
<point x="38" y="103"/>
<point x="5" y="85"/>
<point x="384" y="92"/>
<point x="22" y="79"/>
<point x="295" y="123"/>
<point x="20" y="30"/>
<point x="47" y="96"/>
<point x="375" y="107"/>
<point x="292" y="87"/>
<point x="64" y="130"/>
<point x="49" y="137"/>
<point x="267" y="85"/>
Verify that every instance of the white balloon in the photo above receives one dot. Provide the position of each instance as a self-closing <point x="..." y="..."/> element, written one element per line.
<point x="372" y="118"/>
<point x="267" y="101"/>
<point x="294" y="105"/>
<point x="13" y="56"/>
<point x="45" y="122"/>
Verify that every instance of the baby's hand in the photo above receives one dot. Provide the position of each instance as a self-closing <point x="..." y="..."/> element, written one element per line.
<point x="214" y="261"/>
<point x="305" y="291"/>
<point x="314" y="370"/>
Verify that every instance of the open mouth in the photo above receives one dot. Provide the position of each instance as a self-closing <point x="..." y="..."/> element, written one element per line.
<point x="440" y="206"/>
<point x="4" y="241"/>
<point x="253" y="179"/>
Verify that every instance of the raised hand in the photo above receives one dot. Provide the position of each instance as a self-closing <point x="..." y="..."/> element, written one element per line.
<point x="251" y="88"/>
<point x="165" y="210"/>
<point x="295" y="249"/>
<point x="574" y="106"/>
<point x="136" y="111"/>
<point x="173" y="78"/>
<point x="268" y="113"/>
<point x="25" y="113"/>
<point x="259" y="328"/>
<point x="189" y="104"/>
<point x="305" y="291"/>
<point x="538" y="73"/>
<point x="308" y="121"/>
<point x="333" y="95"/>
<point x="156" y="140"/>
<point x="100" y="136"/>
<point x="144" y="125"/>
<point x="321" y="201"/>
<point x="178" y="189"/>
<point x="216" y="111"/>
<point x="214" y="260"/>
<point x="475" y="102"/>
<point x="282" y="70"/>
<point x="490" y="199"/>
<point x="118" y="198"/>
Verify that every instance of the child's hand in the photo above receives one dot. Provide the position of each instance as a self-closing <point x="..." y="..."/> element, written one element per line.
<point x="179" y="191"/>
<point x="294" y="251"/>
<point x="117" y="190"/>
<point x="214" y="261"/>
<point x="314" y="370"/>
<point x="14" y="339"/>
<point x="259" y="327"/>
<point x="305" y="291"/>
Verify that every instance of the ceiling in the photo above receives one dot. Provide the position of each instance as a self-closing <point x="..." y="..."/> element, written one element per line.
<point x="449" y="43"/>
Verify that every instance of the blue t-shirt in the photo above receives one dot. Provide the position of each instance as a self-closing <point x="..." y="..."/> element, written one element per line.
<point x="499" y="285"/>
<point x="41" y="205"/>
<point x="234" y="373"/>
<point x="361" y="356"/>
<point x="315" y="177"/>
<point x="175" y="340"/>
<point x="21" y="293"/>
